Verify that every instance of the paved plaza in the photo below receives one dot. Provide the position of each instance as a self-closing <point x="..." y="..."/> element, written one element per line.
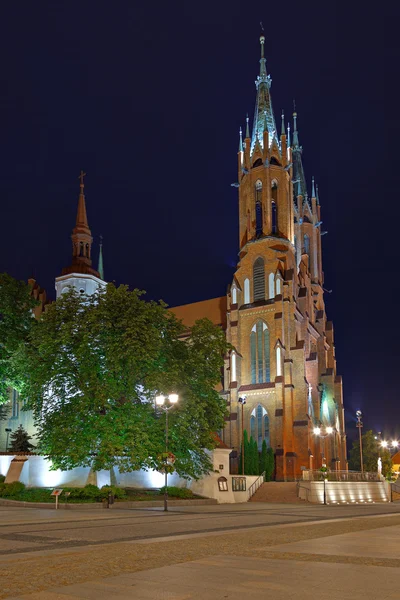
<point x="209" y="552"/>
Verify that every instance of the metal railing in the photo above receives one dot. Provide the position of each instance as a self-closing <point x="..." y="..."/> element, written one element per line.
<point x="254" y="486"/>
<point x="341" y="476"/>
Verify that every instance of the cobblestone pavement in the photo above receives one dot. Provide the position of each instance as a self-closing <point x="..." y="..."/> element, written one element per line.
<point x="45" y="550"/>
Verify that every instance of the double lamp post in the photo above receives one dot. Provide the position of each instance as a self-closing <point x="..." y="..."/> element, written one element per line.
<point x="165" y="403"/>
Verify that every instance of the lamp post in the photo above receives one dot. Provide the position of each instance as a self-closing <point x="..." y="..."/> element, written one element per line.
<point x="360" y="425"/>
<point x="161" y="403"/>
<point x="8" y="431"/>
<point x="323" y="432"/>
<point x="242" y="401"/>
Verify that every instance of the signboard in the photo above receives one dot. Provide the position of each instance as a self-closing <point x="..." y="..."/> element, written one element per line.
<point x="56" y="493"/>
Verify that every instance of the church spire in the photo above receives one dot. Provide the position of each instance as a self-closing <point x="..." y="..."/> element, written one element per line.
<point x="298" y="171"/>
<point x="81" y="237"/>
<point x="263" y="109"/>
<point x="283" y="132"/>
<point x="240" y="140"/>
<point x="100" y="268"/>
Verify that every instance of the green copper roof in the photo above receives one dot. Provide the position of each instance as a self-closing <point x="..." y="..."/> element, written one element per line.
<point x="100" y="268"/>
<point x="263" y="112"/>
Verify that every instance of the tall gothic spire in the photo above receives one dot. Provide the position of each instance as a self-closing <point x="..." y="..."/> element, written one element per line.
<point x="298" y="171"/>
<point x="81" y="238"/>
<point x="263" y="109"/>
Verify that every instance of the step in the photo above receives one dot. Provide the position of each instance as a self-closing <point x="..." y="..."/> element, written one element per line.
<point x="277" y="491"/>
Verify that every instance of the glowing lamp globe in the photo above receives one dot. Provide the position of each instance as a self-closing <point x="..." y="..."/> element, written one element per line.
<point x="329" y="430"/>
<point x="160" y="400"/>
<point x="317" y="430"/>
<point x="173" y="398"/>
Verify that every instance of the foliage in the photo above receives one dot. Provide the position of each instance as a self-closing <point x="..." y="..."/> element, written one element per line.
<point x="92" y="367"/>
<point x="89" y="493"/>
<point x="176" y="492"/>
<point x="11" y="489"/>
<point x="267" y="461"/>
<point x="3" y="412"/>
<point x="19" y="441"/>
<point x="16" y="324"/>
<point x="2" y="478"/>
<point x="371" y="451"/>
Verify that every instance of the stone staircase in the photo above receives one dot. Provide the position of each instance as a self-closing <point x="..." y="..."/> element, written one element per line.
<point x="277" y="491"/>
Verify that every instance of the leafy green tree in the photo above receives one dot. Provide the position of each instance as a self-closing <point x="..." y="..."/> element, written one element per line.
<point x="270" y="465"/>
<point x="93" y="366"/>
<point x="247" y="458"/>
<point x="253" y="451"/>
<point x="371" y="451"/>
<point x="16" y="323"/>
<point x="19" y="441"/>
<point x="263" y="458"/>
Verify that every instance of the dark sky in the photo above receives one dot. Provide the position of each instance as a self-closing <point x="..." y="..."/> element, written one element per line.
<point x="148" y="98"/>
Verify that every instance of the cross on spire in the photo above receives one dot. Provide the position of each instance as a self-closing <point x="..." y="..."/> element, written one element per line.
<point x="81" y="177"/>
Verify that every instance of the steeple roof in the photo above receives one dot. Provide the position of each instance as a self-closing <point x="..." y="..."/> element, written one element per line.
<point x="263" y="112"/>
<point x="100" y="267"/>
<point x="298" y="171"/>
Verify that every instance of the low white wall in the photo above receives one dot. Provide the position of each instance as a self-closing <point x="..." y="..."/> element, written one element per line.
<point x="343" y="492"/>
<point x="36" y="473"/>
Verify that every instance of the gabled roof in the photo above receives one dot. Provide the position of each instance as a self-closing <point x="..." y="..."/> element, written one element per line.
<point x="213" y="309"/>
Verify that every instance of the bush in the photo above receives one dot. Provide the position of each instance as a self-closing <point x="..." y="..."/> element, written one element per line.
<point x="176" y="492"/>
<point x="117" y="492"/>
<point x="11" y="489"/>
<point x="2" y="478"/>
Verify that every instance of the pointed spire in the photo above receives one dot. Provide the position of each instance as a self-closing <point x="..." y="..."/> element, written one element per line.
<point x="317" y="195"/>
<point x="288" y="135"/>
<point x="313" y="188"/>
<point x="263" y="62"/>
<point x="240" y="140"/>
<point x="283" y="132"/>
<point x="247" y="126"/>
<point x="100" y="268"/>
<point x="265" y="121"/>
<point x="81" y="217"/>
<point x="295" y="132"/>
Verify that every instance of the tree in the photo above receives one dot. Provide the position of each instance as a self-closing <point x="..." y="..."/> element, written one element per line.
<point x="371" y="452"/>
<point x="16" y="323"/>
<point x="263" y="460"/>
<point x="19" y="441"/>
<point x="270" y="465"/>
<point x="247" y="458"/>
<point x="93" y="366"/>
<point x="253" y="462"/>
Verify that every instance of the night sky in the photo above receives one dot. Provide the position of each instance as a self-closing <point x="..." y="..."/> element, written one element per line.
<point x="148" y="98"/>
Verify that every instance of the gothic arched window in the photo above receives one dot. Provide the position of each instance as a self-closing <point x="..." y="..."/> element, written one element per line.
<point x="259" y="214"/>
<point x="278" y="286"/>
<point x="81" y="249"/>
<point x="258" y="279"/>
<point x="260" y="353"/>
<point x="259" y="426"/>
<point x="271" y="286"/>
<point x="278" y="361"/>
<point x="234" y="295"/>
<point x="247" y="291"/>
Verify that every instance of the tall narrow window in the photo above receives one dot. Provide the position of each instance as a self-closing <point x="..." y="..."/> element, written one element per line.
<point x="267" y="363"/>
<point x="234" y="295"/>
<point x="278" y="362"/>
<point x="233" y="366"/>
<point x="260" y="353"/>
<point x="258" y="279"/>
<point x="259" y="214"/>
<point x="266" y="430"/>
<point x="259" y="426"/>
<point x="306" y="245"/>
<point x="253" y="355"/>
<point x="247" y="291"/>
<point x="253" y="427"/>
<point x="274" y="208"/>
<point x="271" y="286"/>
<point x="278" y="286"/>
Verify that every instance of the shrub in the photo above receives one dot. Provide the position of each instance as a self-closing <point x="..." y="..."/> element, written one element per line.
<point x="117" y="492"/>
<point x="2" y="478"/>
<point x="12" y="489"/>
<point x="176" y="492"/>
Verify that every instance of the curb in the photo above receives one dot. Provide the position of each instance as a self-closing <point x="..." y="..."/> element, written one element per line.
<point x="102" y="505"/>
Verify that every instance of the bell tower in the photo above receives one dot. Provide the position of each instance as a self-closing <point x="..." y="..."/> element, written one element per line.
<point x="80" y="274"/>
<point x="283" y="359"/>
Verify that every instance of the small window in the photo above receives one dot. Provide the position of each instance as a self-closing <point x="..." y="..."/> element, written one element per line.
<point x="222" y="484"/>
<point x="278" y="286"/>
<point x="271" y="286"/>
<point x="258" y="279"/>
<point x="247" y="291"/>
<point x="234" y="295"/>
<point x="238" y="484"/>
<point x="257" y="163"/>
<point x="278" y="362"/>
<point x="233" y="366"/>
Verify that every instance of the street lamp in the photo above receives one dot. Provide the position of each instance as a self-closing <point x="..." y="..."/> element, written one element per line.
<point x="360" y="425"/>
<point x="323" y="432"/>
<point x="161" y="403"/>
<point x="242" y="401"/>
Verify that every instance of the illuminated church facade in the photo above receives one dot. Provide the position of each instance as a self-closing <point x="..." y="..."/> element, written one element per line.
<point x="281" y="375"/>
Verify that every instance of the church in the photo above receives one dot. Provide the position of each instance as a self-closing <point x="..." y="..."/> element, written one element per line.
<point x="280" y="381"/>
